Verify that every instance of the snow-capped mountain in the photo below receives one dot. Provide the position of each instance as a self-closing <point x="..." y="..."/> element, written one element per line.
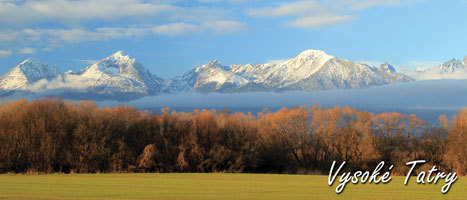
<point x="452" y="69"/>
<point x="454" y="66"/>
<point x="119" y="73"/>
<point x="27" y="73"/>
<point x="120" y="77"/>
<point x="115" y="77"/>
<point x="207" y="78"/>
<point x="420" y="70"/>
<point x="310" y="70"/>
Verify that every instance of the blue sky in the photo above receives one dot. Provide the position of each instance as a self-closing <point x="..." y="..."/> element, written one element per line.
<point x="169" y="37"/>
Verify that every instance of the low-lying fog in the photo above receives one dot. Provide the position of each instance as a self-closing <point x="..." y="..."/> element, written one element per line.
<point x="427" y="99"/>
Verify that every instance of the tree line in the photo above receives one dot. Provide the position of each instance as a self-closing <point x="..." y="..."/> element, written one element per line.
<point x="53" y="135"/>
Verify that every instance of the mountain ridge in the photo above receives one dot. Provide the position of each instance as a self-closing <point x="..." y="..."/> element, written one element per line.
<point x="452" y="69"/>
<point x="120" y="75"/>
<point x="310" y="70"/>
<point x="28" y="72"/>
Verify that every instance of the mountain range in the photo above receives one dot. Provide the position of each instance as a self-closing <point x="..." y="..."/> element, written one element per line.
<point x="310" y="70"/>
<point x="452" y="69"/>
<point x="120" y="77"/>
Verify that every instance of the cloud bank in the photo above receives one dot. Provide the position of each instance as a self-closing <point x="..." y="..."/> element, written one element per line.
<point x="44" y="25"/>
<point x="315" y="14"/>
<point x="427" y="99"/>
<point x="47" y="24"/>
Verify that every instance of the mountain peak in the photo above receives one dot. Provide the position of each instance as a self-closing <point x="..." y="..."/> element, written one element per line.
<point x="387" y="68"/>
<point x="314" y="53"/>
<point x="31" y="60"/>
<point x="120" y="57"/>
<point x="27" y="73"/>
<point x="32" y="64"/>
<point x="300" y="65"/>
<point x="118" y="54"/>
<point x="213" y="62"/>
<point x="419" y="70"/>
<point x="453" y="60"/>
<point x="452" y="66"/>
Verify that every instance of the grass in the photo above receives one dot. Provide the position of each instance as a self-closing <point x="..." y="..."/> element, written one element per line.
<point x="211" y="186"/>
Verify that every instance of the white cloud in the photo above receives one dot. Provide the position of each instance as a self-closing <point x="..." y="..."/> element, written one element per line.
<point x="217" y="26"/>
<point x="5" y="53"/>
<point x="364" y="4"/>
<point x="289" y="9"/>
<point x="81" y="34"/>
<point x="315" y="13"/>
<point x="209" y="1"/>
<point x="219" y="1"/>
<point x="431" y="71"/>
<point x="69" y="11"/>
<point x="373" y="63"/>
<point x="72" y="12"/>
<point x="423" y="64"/>
<point x="8" y="35"/>
<point x="91" y="20"/>
<point x="27" y="50"/>
<point x="46" y="49"/>
<point x="86" y="61"/>
<point x="278" y="61"/>
<point x="320" y="21"/>
<point x="225" y="26"/>
<point x="435" y="73"/>
<point x="57" y="37"/>
<point x="67" y="82"/>
<point x="176" y="29"/>
<point x="408" y="67"/>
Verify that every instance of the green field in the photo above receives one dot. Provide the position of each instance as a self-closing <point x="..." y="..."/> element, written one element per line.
<point x="211" y="186"/>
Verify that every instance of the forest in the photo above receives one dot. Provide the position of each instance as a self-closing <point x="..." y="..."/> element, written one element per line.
<point x="57" y="136"/>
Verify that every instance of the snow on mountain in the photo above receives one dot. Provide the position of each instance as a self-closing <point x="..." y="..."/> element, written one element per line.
<point x="119" y="73"/>
<point x="453" y="66"/>
<point x="452" y="69"/>
<point x="284" y="74"/>
<point x="207" y="78"/>
<point x="386" y="67"/>
<point x="342" y="73"/>
<point x="117" y="76"/>
<point x="121" y="77"/>
<point x="310" y="70"/>
<point x="28" y="73"/>
<point x="420" y="70"/>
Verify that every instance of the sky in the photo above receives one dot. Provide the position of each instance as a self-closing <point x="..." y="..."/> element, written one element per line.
<point x="171" y="36"/>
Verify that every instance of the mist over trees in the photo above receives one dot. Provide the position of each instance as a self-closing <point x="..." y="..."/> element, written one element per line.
<point x="53" y="135"/>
